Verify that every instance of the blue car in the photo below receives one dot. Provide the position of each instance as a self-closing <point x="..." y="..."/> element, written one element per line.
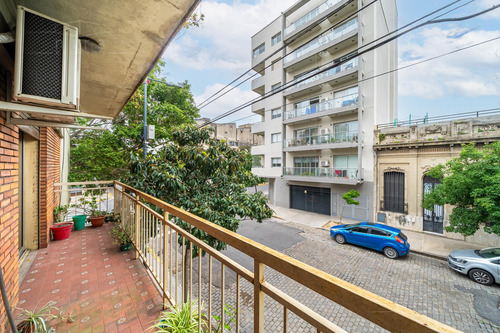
<point x="391" y="241"/>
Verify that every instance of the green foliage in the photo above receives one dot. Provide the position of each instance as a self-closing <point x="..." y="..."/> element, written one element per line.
<point x="60" y="213"/>
<point x="183" y="319"/>
<point x="120" y="235"/>
<point x="203" y="176"/>
<point x="106" y="154"/>
<point x="230" y="319"/>
<point x="350" y="196"/>
<point x="38" y="321"/>
<point x="470" y="182"/>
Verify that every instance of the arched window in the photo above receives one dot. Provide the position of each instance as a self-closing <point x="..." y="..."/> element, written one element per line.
<point x="394" y="191"/>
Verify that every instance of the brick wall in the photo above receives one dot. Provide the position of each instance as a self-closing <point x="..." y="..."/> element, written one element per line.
<point x="50" y="148"/>
<point x="9" y="211"/>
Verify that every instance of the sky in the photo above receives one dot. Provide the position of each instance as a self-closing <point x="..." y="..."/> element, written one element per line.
<point x="212" y="55"/>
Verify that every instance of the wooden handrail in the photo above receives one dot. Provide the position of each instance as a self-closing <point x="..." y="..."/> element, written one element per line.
<point x="383" y="312"/>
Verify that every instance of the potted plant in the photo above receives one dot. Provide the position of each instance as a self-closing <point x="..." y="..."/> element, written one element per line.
<point x="91" y="208"/>
<point x="180" y="319"/>
<point x="121" y="237"/>
<point x="38" y="321"/>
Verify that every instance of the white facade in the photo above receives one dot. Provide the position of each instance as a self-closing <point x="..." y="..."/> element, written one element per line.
<point x="327" y="113"/>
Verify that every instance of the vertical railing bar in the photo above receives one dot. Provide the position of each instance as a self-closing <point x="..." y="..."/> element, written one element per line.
<point x="285" y="319"/>
<point x="190" y="271"/>
<point x="199" y="289"/>
<point x="170" y="231"/>
<point x="258" y="297"/>
<point x="209" y="293"/>
<point x="183" y="256"/>
<point x="165" y="263"/>
<point x="237" y="303"/>
<point x="222" y="298"/>
<point x="176" y="266"/>
<point x="137" y="220"/>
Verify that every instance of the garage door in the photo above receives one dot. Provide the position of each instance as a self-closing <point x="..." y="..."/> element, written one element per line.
<point x="311" y="199"/>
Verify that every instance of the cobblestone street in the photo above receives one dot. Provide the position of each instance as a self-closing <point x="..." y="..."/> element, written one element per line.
<point x="420" y="283"/>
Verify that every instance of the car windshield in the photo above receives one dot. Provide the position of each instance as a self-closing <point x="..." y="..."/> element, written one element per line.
<point x="490" y="253"/>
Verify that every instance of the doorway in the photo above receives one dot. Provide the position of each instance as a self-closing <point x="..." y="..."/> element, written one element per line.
<point x="433" y="219"/>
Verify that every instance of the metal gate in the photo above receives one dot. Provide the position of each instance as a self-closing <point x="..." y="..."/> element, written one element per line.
<point x="433" y="219"/>
<point x="311" y="199"/>
<point x="356" y="212"/>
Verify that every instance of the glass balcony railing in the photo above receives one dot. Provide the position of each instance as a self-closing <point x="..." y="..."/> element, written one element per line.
<point x="331" y="72"/>
<point x="332" y="173"/>
<point x="339" y="137"/>
<point x="310" y="16"/>
<point x="322" y="39"/>
<point x="339" y="102"/>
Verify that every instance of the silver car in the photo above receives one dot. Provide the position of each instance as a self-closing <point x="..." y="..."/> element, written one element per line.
<point x="482" y="266"/>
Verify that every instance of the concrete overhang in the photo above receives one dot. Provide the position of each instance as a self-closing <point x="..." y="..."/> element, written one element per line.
<point x="131" y="35"/>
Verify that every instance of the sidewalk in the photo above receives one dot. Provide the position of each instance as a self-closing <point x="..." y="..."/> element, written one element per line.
<point x="423" y="243"/>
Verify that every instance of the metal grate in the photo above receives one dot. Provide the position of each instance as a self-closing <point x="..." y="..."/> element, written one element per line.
<point x="42" y="58"/>
<point x="394" y="188"/>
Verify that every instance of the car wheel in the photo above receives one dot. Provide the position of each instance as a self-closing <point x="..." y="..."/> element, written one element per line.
<point x="340" y="239"/>
<point x="391" y="253"/>
<point x="481" y="276"/>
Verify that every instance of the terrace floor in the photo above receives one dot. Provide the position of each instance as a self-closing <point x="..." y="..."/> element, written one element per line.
<point x="107" y="290"/>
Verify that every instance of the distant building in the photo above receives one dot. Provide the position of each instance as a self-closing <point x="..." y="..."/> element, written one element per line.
<point x="404" y="154"/>
<point x="236" y="136"/>
<point x="318" y="132"/>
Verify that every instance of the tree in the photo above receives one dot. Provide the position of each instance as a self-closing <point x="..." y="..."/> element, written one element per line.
<point x="106" y="154"/>
<point x="470" y="182"/>
<point x="204" y="176"/>
<point x="349" y="198"/>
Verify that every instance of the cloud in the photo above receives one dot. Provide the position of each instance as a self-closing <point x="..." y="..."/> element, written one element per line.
<point x="222" y="42"/>
<point x="472" y="72"/>
<point x="231" y="100"/>
<point x="485" y="4"/>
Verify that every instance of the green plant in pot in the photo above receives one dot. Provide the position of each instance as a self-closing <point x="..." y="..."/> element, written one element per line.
<point x="121" y="237"/>
<point x="90" y="206"/>
<point x="38" y="321"/>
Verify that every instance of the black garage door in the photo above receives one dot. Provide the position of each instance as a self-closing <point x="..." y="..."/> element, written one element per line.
<point x="311" y="199"/>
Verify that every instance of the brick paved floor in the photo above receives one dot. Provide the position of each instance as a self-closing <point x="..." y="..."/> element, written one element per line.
<point x="107" y="290"/>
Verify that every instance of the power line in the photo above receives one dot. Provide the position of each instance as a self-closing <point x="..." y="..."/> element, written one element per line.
<point x="285" y="44"/>
<point x="338" y="62"/>
<point x="333" y="27"/>
<point x="400" y="68"/>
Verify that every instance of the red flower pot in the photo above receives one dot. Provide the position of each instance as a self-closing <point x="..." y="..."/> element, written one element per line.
<point x="61" y="230"/>
<point x="97" y="221"/>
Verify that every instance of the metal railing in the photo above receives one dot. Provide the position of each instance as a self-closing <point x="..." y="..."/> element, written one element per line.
<point x="340" y="137"/>
<point x="331" y="72"/>
<point x="339" y="102"/>
<point x="173" y="257"/>
<point x="323" y="39"/>
<point x="436" y="119"/>
<point x="310" y="16"/>
<point x="333" y="173"/>
<point x="74" y="194"/>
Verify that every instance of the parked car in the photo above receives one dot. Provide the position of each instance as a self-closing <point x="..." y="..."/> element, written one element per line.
<point x="391" y="241"/>
<point x="482" y="266"/>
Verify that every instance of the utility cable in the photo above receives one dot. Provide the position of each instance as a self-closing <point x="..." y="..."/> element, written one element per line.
<point x="339" y="23"/>
<point x="340" y="62"/>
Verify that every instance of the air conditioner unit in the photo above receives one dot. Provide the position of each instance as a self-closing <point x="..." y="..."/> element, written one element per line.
<point x="325" y="131"/>
<point x="47" y="64"/>
<point x="325" y="163"/>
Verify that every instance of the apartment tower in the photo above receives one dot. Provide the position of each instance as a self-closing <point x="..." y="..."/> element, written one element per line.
<point x="324" y="97"/>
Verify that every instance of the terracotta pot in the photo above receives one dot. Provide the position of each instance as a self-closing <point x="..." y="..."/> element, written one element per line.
<point x="97" y="221"/>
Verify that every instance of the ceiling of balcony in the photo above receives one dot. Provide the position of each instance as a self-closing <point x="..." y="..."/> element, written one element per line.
<point x="131" y="37"/>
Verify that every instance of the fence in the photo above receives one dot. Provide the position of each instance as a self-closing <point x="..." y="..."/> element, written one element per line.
<point x="173" y="256"/>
